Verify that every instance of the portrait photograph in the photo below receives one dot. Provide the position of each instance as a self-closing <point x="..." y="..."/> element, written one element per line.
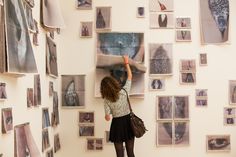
<point x="183" y="35"/>
<point x="188" y="78"/>
<point x="214" y="21"/>
<point x="51" y="57"/>
<point x="181" y="133"/>
<point x="45" y="140"/>
<point x="140" y="12"/>
<point x="164" y="107"/>
<point x="30" y="97"/>
<point x="57" y="143"/>
<point x="103" y="18"/>
<point x="161" y="5"/>
<point x="201" y="102"/>
<point x="187" y="66"/>
<point x="183" y="23"/>
<point x="84" y="4"/>
<point x="94" y="144"/>
<point x="156" y="84"/>
<point x="160" y="20"/>
<point x="73" y="91"/>
<point x="232" y="92"/>
<point x="37" y="90"/>
<point x="181" y="107"/>
<point x="86" y="130"/>
<point x="203" y="59"/>
<point x="164" y="133"/>
<point x="45" y="118"/>
<point x="3" y="93"/>
<point x="86" y="29"/>
<point x="161" y="59"/>
<point x="218" y="143"/>
<point x="7" y="120"/>
<point x="86" y="117"/>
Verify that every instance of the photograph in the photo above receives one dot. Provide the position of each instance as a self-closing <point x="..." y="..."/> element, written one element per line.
<point x="55" y="113"/>
<point x="86" y="29"/>
<point x="202" y="59"/>
<point x="45" y="118"/>
<point x="183" y="35"/>
<point x="51" y="88"/>
<point x="37" y="90"/>
<point x="45" y="140"/>
<point x="161" y="20"/>
<point x="140" y="12"/>
<point x="201" y="102"/>
<point x="94" y="144"/>
<point x="30" y="2"/>
<point x="51" y="57"/>
<point x="3" y="93"/>
<point x="30" y="97"/>
<point x="183" y="23"/>
<point x="103" y="18"/>
<point x="218" y="143"/>
<point x="156" y="84"/>
<point x="86" y="117"/>
<point x="187" y="65"/>
<point x="86" y="130"/>
<point x="214" y="21"/>
<point x="29" y="17"/>
<point x="188" y="78"/>
<point x="164" y="133"/>
<point x="20" y="55"/>
<point x="229" y="121"/>
<point x="161" y="60"/>
<point x="7" y="120"/>
<point x="73" y="91"/>
<point x="164" y="107"/>
<point x="181" y="107"/>
<point x="181" y="133"/>
<point x="161" y="5"/>
<point x="57" y="143"/>
<point x="84" y="4"/>
<point x="49" y="153"/>
<point x="229" y="112"/>
<point x="201" y="93"/>
<point x="232" y="92"/>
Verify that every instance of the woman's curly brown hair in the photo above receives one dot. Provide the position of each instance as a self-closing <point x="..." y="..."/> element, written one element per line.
<point x="110" y="89"/>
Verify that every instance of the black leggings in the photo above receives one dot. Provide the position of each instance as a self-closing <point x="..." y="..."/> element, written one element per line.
<point x="129" y="148"/>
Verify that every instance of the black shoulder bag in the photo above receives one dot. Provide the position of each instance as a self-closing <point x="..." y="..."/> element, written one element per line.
<point x="137" y="123"/>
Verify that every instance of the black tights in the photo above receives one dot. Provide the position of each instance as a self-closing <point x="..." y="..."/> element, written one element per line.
<point x="129" y="148"/>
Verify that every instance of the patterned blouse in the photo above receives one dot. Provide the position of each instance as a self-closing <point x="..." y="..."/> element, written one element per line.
<point x="120" y="107"/>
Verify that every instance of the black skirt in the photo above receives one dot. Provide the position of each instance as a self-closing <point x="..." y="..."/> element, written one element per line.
<point x="121" y="130"/>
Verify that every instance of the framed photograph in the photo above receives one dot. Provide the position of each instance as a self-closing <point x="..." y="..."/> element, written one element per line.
<point x="86" y="117"/>
<point x="73" y="91"/>
<point x="187" y="66"/>
<point x="183" y="23"/>
<point x="49" y="153"/>
<point x="156" y="84"/>
<point x="140" y="12"/>
<point x="232" y="92"/>
<point x="107" y="136"/>
<point x="201" y="93"/>
<point x="86" y="29"/>
<point x="161" y="59"/>
<point x="164" y="133"/>
<point x="161" y="5"/>
<point x="161" y="20"/>
<point x="84" y="4"/>
<point x="202" y="59"/>
<point x="45" y="118"/>
<point x="7" y="120"/>
<point x="55" y="113"/>
<point x="188" y="78"/>
<point x="57" y="143"/>
<point x="37" y="90"/>
<point x="183" y="35"/>
<point x="29" y="17"/>
<point x="51" y="57"/>
<point x="229" y="120"/>
<point x="218" y="143"/>
<point x="103" y="18"/>
<point x="181" y="133"/>
<point x="86" y="130"/>
<point x="51" y="89"/>
<point x="201" y="102"/>
<point x="30" y="97"/>
<point x="94" y="144"/>
<point x="164" y="107"/>
<point x="45" y="140"/>
<point x="181" y="107"/>
<point x="30" y="2"/>
<point x="3" y="93"/>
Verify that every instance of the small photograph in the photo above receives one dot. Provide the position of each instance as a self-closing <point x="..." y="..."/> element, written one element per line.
<point x="229" y="112"/>
<point x="107" y="135"/>
<point x="183" y="35"/>
<point x="164" y="133"/>
<point x="86" y="29"/>
<point x="37" y="90"/>
<point x="84" y="4"/>
<point x="86" y="130"/>
<point x="140" y="12"/>
<point x="183" y="23"/>
<point x="202" y="59"/>
<point x="161" y="20"/>
<point x="49" y="153"/>
<point x="232" y="92"/>
<point x="94" y="144"/>
<point x="181" y="133"/>
<point x="29" y="17"/>
<point x="103" y="18"/>
<point x="30" y="97"/>
<point x="51" y="57"/>
<point x="30" y="2"/>
<point x="201" y="93"/>
<point x="181" y="107"/>
<point x="51" y="88"/>
<point x="187" y="66"/>
<point x="218" y="143"/>
<point x="55" y="113"/>
<point x="57" y="143"/>
<point x="201" y="102"/>
<point x="3" y="93"/>
<point x="45" y="140"/>
<point x="7" y="120"/>
<point x="164" y="107"/>
<point x="161" y="5"/>
<point x="73" y="91"/>
<point x="188" y="78"/>
<point x="45" y="118"/>
<point x="156" y="84"/>
<point x="229" y="121"/>
<point x="86" y="117"/>
<point x="99" y="144"/>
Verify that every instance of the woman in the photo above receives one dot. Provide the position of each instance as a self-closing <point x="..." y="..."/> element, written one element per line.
<point x="115" y="103"/>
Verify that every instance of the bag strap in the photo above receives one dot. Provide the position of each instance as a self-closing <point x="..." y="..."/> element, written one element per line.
<point x="131" y="111"/>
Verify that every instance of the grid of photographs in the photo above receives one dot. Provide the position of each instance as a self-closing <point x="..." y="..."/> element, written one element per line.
<point x="201" y="97"/>
<point x="187" y="72"/>
<point x="103" y="18"/>
<point x="229" y="116"/>
<point x="86" y="123"/>
<point x="94" y="144"/>
<point x="183" y="29"/>
<point x="172" y="120"/>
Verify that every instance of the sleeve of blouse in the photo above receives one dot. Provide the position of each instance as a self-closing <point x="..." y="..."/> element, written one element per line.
<point x="127" y="86"/>
<point x="107" y="108"/>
